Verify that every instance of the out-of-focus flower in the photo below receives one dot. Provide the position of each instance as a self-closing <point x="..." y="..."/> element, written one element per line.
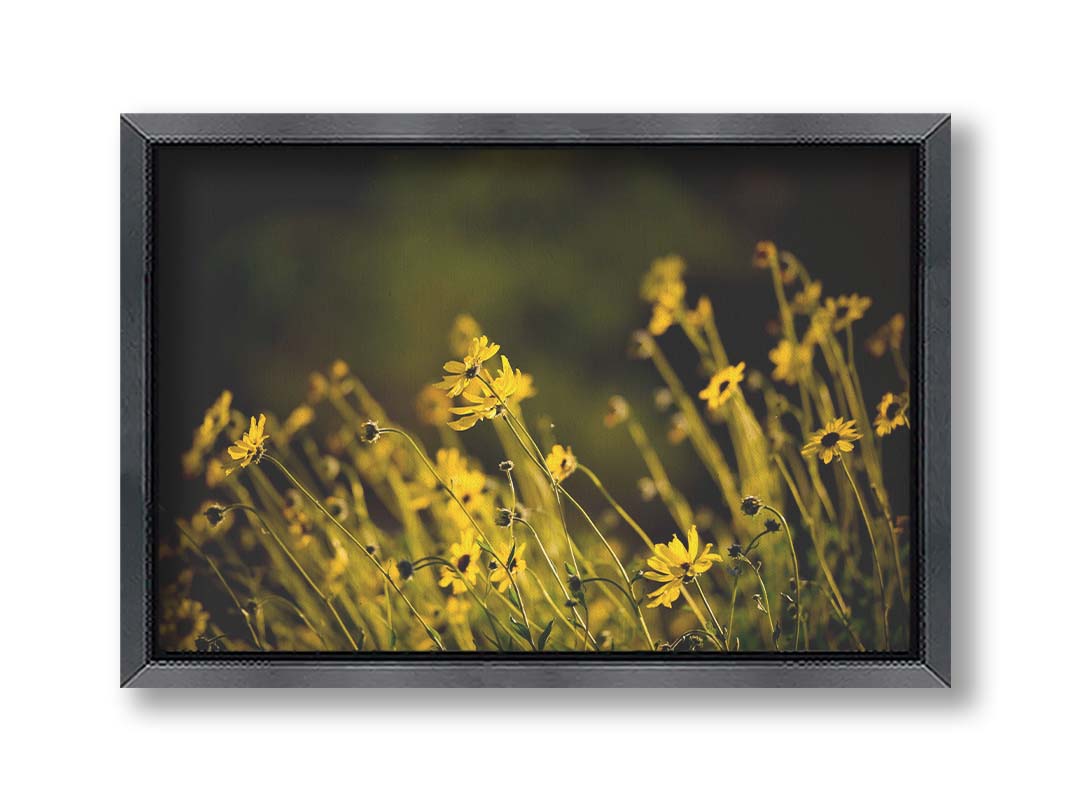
<point x="723" y="385"/>
<point x="298" y="419"/>
<point x="464" y="329"/>
<point x="846" y="309"/>
<point x="561" y="463"/>
<point x="678" y="428"/>
<point x="618" y="411"/>
<point x="432" y="406"/>
<point x="791" y="361"/>
<point x="890" y="335"/>
<point x="463" y="557"/>
<point x="891" y="414"/>
<point x="807" y="299"/>
<point x="515" y="567"/>
<point x="182" y="624"/>
<point x="216" y="418"/>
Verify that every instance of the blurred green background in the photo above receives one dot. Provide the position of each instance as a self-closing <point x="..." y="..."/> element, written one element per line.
<point x="274" y="260"/>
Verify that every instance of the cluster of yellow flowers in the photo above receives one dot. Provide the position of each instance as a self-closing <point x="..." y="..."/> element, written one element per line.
<point x="338" y="530"/>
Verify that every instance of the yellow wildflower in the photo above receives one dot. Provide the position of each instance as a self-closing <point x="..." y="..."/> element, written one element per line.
<point x="675" y="565"/>
<point x="561" y="463"/>
<point x="463" y="558"/>
<point x="469" y="487"/>
<point x="791" y="361"/>
<point x="701" y="314"/>
<point x="215" y="473"/>
<point x="846" y="309"/>
<point x="765" y="255"/>
<point x="833" y="440"/>
<point x="297" y="521"/>
<point x="457" y="610"/>
<point x="216" y="418"/>
<point x="249" y="449"/>
<point x="890" y="335"/>
<point x="891" y="414"/>
<point x="461" y="373"/>
<point x="723" y="385"/>
<point x="664" y="276"/>
<point x="807" y="299"/>
<point x="464" y="329"/>
<point x="298" y="419"/>
<point x="432" y="406"/>
<point x="490" y="401"/>
<point x="515" y="567"/>
<point x="665" y="311"/>
<point x="450" y="464"/>
<point x="789" y="265"/>
<point x="337" y="566"/>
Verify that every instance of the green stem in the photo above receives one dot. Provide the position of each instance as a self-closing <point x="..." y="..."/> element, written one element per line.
<point x="796" y="568"/>
<point x="874" y="549"/>
<point x="433" y="470"/>
<point x="766" y="600"/>
<point x="296" y="564"/>
<point x="225" y="585"/>
<point x="434" y="636"/>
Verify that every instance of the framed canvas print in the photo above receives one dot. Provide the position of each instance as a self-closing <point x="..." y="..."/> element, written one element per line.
<point x="535" y="400"/>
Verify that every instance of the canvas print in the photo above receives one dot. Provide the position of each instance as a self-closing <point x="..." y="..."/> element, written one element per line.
<point x="514" y="399"/>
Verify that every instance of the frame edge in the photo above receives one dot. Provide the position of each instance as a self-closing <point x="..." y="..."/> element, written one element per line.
<point x="135" y="584"/>
<point x="936" y="375"/>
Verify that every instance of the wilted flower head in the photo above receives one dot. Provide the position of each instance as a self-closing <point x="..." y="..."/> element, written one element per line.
<point x="214" y="515"/>
<point x="618" y="411"/>
<point x="751" y="506"/>
<point x="370" y="431"/>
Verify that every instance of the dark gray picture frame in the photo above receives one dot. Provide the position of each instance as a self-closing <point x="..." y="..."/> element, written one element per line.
<point x="927" y="666"/>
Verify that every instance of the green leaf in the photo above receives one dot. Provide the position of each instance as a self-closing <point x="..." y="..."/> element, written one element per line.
<point x="520" y="628"/>
<point x="542" y="640"/>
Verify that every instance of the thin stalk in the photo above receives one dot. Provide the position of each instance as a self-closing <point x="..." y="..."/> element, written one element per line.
<point x="296" y="564"/>
<point x="707" y="605"/>
<point x="766" y="600"/>
<point x="811" y="529"/>
<point x="433" y="470"/>
<point x="434" y="636"/>
<point x="733" y="605"/>
<point x="874" y="549"/>
<point x="225" y="585"/>
<point x="639" y="531"/>
<point x="555" y="574"/>
<point x="796" y="569"/>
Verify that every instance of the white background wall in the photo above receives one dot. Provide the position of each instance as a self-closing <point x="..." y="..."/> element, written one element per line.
<point x="67" y="72"/>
